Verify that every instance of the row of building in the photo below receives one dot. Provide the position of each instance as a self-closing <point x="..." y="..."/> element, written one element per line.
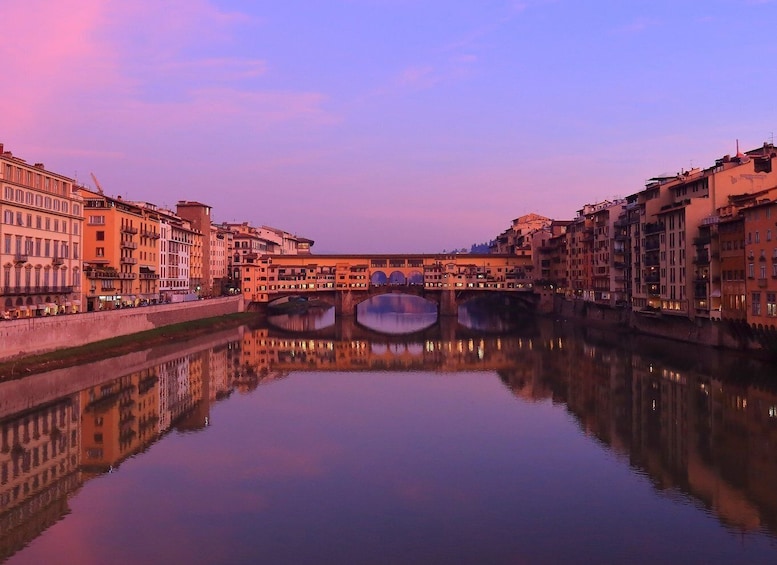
<point x="698" y="244"/>
<point x="66" y="248"/>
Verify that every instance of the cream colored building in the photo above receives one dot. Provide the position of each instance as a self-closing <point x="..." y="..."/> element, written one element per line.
<point x="175" y="251"/>
<point x="41" y="224"/>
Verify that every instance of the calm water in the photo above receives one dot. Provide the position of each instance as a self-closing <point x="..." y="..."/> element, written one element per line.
<point x="491" y="441"/>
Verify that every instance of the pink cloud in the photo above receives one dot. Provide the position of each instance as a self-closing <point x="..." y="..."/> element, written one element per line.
<point x="418" y="77"/>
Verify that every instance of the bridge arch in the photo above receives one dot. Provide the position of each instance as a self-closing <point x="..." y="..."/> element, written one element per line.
<point x="379" y="278"/>
<point x="415" y="278"/>
<point x="397" y="278"/>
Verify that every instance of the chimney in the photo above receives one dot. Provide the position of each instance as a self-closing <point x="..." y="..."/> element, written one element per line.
<point x="1" y="148"/>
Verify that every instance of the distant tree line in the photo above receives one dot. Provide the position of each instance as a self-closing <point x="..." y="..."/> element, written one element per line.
<point x="474" y="248"/>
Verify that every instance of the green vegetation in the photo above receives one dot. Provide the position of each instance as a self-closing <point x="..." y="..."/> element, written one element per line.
<point x="120" y="345"/>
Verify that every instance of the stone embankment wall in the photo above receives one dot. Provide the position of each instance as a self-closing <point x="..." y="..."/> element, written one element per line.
<point x="29" y="336"/>
<point x="727" y="335"/>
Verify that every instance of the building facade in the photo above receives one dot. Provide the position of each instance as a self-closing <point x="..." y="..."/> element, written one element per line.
<point x="41" y="236"/>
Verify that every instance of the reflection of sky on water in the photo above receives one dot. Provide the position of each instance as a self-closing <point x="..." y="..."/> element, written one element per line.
<point x="313" y="319"/>
<point x="397" y="313"/>
<point x="392" y="468"/>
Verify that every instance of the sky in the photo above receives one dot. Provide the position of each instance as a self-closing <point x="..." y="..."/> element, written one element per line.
<point x="388" y="126"/>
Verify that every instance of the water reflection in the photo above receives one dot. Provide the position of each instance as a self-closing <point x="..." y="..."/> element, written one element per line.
<point x="397" y="314"/>
<point x="705" y="442"/>
<point x="314" y="319"/>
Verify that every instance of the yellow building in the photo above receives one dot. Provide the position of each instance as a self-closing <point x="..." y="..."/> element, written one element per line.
<point x="121" y="252"/>
<point x="40" y="240"/>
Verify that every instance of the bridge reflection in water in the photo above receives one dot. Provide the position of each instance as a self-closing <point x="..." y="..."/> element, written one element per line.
<point x="677" y="417"/>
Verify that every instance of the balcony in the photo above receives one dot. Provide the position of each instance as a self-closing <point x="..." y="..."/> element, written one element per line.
<point x="129" y="245"/>
<point x="57" y="261"/>
<point x="101" y="274"/>
<point x="129" y="261"/>
<point x="154" y="235"/>
<point x="652" y="245"/>
<point x="19" y="258"/>
<point x="701" y="240"/>
<point x="129" y="229"/>
<point x="655" y="227"/>
<point x="33" y="290"/>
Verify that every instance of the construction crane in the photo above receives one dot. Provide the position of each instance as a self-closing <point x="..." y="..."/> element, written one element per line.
<point x="97" y="184"/>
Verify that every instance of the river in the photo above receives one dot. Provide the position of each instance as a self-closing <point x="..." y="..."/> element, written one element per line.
<point x="394" y="438"/>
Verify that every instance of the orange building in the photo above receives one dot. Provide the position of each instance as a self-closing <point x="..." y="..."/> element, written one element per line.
<point x="761" y="263"/>
<point x="121" y="252"/>
<point x="199" y="217"/>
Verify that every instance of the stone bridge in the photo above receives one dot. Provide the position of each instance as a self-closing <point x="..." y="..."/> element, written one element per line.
<point x="346" y="280"/>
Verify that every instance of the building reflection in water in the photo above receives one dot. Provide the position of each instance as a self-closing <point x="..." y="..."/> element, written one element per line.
<point x="680" y="419"/>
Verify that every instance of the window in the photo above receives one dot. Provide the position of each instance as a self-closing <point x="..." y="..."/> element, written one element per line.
<point x="756" y="305"/>
<point x="100" y="235"/>
<point x="19" y="221"/>
<point x="100" y="252"/>
<point x="771" y="304"/>
<point x="96" y="220"/>
<point x="7" y="244"/>
<point x="8" y="217"/>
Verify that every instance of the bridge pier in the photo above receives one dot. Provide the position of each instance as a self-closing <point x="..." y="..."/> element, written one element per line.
<point x="448" y="304"/>
<point x="344" y="304"/>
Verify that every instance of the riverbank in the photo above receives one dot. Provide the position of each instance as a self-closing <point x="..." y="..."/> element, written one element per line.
<point x="32" y="336"/>
<point x="120" y="345"/>
<point x="726" y="334"/>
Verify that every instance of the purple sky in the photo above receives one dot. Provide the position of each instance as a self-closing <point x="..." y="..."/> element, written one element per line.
<point x="384" y="125"/>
